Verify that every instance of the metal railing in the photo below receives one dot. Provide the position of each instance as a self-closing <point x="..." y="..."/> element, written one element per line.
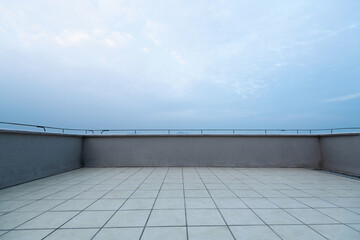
<point x="21" y="126"/>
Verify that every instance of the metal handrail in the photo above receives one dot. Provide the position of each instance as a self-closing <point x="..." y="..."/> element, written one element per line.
<point x="181" y="131"/>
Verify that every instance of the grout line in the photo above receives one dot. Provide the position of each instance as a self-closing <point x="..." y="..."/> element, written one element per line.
<point x="147" y="220"/>
<point x="125" y="200"/>
<point x="216" y="205"/>
<point x="186" y="222"/>
<point x="42" y="212"/>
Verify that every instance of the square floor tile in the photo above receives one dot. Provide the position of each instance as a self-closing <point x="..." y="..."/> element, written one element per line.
<point x="14" y="219"/>
<point x="209" y="233"/>
<point x="7" y="206"/>
<point x="145" y="194"/>
<point x="258" y="203"/>
<point x="229" y="203"/>
<point x="241" y="217"/>
<point x="315" y="202"/>
<point x="246" y="193"/>
<point x="129" y="218"/>
<point x="164" y="233"/>
<point x="169" y="203"/>
<point x="297" y="232"/>
<point x="199" y="203"/>
<point x="222" y="193"/>
<point x="118" y="234"/>
<point x="196" y="193"/>
<point x="171" y="194"/>
<point x="48" y="220"/>
<point x="41" y="205"/>
<point x="106" y="204"/>
<point x="201" y="217"/>
<point x="91" y="195"/>
<point x="74" y="205"/>
<point x="336" y="232"/>
<point x="310" y="216"/>
<point x="138" y="203"/>
<point x="73" y="234"/>
<point x="167" y="218"/>
<point x="89" y="219"/>
<point x="287" y="203"/>
<point x="118" y="194"/>
<point x="276" y="216"/>
<point x="340" y="214"/>
<point x="253" y="233"/>
<point x="25" y="234"/>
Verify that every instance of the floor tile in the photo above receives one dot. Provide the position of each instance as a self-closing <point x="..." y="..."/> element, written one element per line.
<point x="73" y="234"/>
<point x="315" y="202"/>
<point x="14" y="219"/>
<point x="246" y="193"/>
<point x="287" y="203"/>
<point x="169" y="203"/>
<point x="25" y="234"/>
<point x="118" y="194"/>
<point x="297" y="232"/>
<point x="199" y="203"/>
<point x="171" y="194"/>
<point x="310" y="216"/>
<point x="89" y="219"/>
<point x="258" y="203"/>
<point x="106" y="204"/>
<point x="336" y="232"/>
<point x="74" y="205"/>
<point x="276" y="216"/>
<point x="209" y="233"/>
<point x="145" y="194"/>
<point x="222" y="193"/>
<point x="253" y="233"/>
<point x="196" y="193"/>
<point x="201" y="217"/>
<point x="129" y="218"/>
<point x="138" y="203"/>
<point x="241" y="217"/>
<point x="118" y="234"/>
<point x="41" y="205"/>
<point x="229" y="203"/>
<point x="164" y="233"/>
<point x="167" y="218"/>
<point x="48" y="220"/>
<point x="340" y="214"/>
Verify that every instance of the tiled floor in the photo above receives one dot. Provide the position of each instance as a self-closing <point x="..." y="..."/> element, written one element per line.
<point x="183" y="203"/>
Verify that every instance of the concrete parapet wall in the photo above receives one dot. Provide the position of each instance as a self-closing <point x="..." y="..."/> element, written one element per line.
<point x="25" y="157"/>
<point x="202" y="150"/>
<point x="341" y="153"/>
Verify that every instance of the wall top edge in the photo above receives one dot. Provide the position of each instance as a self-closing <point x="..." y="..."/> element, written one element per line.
<point x="2" y="131"/>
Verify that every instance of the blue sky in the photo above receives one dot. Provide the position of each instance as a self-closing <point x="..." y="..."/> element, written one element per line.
<point x="180" y="64"/>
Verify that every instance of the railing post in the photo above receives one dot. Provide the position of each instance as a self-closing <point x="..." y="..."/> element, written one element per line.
<point x="201" y="131"/>
<point x="265" y="131"/>
<point x="135" y="131"/>
<point x="168" y="131"/>
<point x="233" y="131"/>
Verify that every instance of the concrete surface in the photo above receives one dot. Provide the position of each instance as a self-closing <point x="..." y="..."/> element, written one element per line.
<point x="341" y="154"/>
<point x="183" y="204"/>
<point x="25" y="157"/>
<point x="226" y="151"/>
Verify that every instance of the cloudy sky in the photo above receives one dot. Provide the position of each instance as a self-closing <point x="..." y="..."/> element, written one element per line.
<point x="180" y="64"/>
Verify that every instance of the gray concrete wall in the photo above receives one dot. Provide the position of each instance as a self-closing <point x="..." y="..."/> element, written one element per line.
<point x="224" y="151"/>
<point x="341" y="153"/>
<point x="28" y="156"/>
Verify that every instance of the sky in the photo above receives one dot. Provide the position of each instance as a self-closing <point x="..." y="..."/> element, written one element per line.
<point x="180" y="63"/>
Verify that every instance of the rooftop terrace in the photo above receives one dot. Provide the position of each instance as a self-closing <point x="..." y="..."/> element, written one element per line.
<point x="179" y="186"/>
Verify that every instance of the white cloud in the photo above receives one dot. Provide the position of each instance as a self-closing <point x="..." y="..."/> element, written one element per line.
<point x="343" y="98"/>
<point x="178" y="57"/>
<point x="70" y="38"/>
<point x="153" y="31"/>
